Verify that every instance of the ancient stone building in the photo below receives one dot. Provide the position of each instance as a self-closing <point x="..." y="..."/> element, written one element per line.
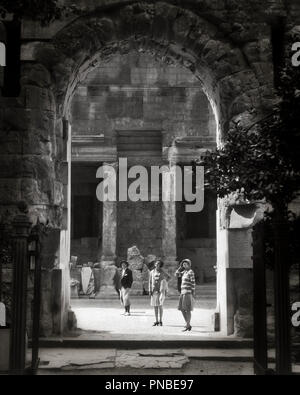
<point x="132" y="107"/>
<point x="93" y="87"/>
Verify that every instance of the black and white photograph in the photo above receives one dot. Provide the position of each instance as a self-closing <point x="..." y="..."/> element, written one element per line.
<point x="149" y="190"/>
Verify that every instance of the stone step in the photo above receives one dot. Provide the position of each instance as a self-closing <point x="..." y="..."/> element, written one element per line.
<point x="139" y="133"/>
<point x="204" y="343"/>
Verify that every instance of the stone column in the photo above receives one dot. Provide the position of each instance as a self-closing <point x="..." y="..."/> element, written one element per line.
<point x="169" y="228"/>
<point x="109" y="243"/>
<point x="235" y="267"/>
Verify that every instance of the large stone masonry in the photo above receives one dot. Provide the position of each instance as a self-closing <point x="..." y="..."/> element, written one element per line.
<point x="109" y="246"/>
<point x="231" y="55"/>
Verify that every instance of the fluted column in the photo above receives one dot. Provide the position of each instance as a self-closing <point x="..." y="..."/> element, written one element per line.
<point x="109" y="241"/>
<point x="169" y="227"/>
<point x="21" y="226"/>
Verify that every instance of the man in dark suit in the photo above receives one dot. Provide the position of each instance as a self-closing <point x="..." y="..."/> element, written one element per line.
<point x="126" y="284"/>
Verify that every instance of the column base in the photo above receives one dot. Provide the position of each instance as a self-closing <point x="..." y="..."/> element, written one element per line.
<point x="107" y="281"/>
<point x="107" y="292"/>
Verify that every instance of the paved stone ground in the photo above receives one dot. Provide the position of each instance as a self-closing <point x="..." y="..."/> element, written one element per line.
<point x="62" y="361"/>
<point x="138" y="362"/>
<point x="104" y="320"/>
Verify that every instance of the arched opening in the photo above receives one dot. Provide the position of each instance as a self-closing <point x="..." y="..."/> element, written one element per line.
<point x="227" y="74"/>
<point x="136" y="107"/>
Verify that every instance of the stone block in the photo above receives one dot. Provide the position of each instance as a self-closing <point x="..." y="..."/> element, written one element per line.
<point x="31" y="192"/>
<point x="58" y="194"/>
<point x="108" y="273"/>
<point x="240" y="249"/>
<point x="47" y="280"/>
<point x="137" y="288"/>
<point x="137" y="275"/>
<point x="10" y="143"/>
<point x="50" y="249"/>
<point x="28" y="51"/>
<point x="243" y="325"/>
<point x="38" y="142"/>
<point x="46" y="314"/>
<point x="97" y="278"/>
<point x="10" y="191"/>
<point x="135" y="259"/>
<point x="35" y="74"/>
<point x="16" y="118"/>
<point x="145" y="273"/>
<point x="182" y="26"/>
<point x="71" y="321"/>
<point x="42" y="120"/>
<point x="40" y="98"/>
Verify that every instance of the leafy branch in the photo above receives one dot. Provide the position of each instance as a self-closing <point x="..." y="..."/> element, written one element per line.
<point x="261" y="162"/>
<point x="43" y="11"/>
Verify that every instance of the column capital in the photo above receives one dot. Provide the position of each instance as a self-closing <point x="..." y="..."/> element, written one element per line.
<point x="114" y="164"/>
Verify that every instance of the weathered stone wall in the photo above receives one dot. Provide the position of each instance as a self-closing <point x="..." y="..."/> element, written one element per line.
<point x="225" y="43"/>
<point x="140" y="224"/>
<point x="136" y="91"/>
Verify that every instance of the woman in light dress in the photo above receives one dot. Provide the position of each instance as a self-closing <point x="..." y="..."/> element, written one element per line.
<point x="158" y="289"/>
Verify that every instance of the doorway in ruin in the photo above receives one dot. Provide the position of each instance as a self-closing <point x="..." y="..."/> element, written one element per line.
<point x="238" y="91"/>
<point x="137" y="107"/>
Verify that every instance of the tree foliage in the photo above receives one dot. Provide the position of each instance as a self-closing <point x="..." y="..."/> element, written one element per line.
<point x="262" y="161"/>
<point x="43" y="11"/>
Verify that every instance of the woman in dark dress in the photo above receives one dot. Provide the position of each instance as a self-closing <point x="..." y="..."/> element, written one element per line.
<point x="126" y="284"/>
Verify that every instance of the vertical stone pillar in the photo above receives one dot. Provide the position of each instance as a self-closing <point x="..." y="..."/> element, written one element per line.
<point x="65" y="236"/>
<point x="109" y="243"/>
<point x="226" y="326"/>
<point x="22" y="226"/>
<point x="235" y="267"/>
<point x="169" y="227"/>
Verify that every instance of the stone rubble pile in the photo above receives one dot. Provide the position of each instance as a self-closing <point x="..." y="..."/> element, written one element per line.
<point x="140" y="267"/>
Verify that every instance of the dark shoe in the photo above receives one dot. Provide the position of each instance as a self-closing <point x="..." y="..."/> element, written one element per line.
<point x="187" y="329"/>
<point x="155" y="324"/>
<point x="161" y="324"/>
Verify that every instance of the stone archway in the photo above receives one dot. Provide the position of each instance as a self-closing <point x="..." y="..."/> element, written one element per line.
<point x="230" y="75"/>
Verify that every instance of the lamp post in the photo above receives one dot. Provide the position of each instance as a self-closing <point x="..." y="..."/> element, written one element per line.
<point x="21" y="230"/>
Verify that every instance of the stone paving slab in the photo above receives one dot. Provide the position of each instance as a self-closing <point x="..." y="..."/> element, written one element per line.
<point x="72" y="359"/>
<point x="147" y="359"/>
<point x="89" y="359"/>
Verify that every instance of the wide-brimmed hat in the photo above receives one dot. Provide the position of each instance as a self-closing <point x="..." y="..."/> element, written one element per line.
<point x="186" y="260"/>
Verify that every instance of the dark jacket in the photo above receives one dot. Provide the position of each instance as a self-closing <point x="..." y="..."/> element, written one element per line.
<point x="127" y="279"/>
